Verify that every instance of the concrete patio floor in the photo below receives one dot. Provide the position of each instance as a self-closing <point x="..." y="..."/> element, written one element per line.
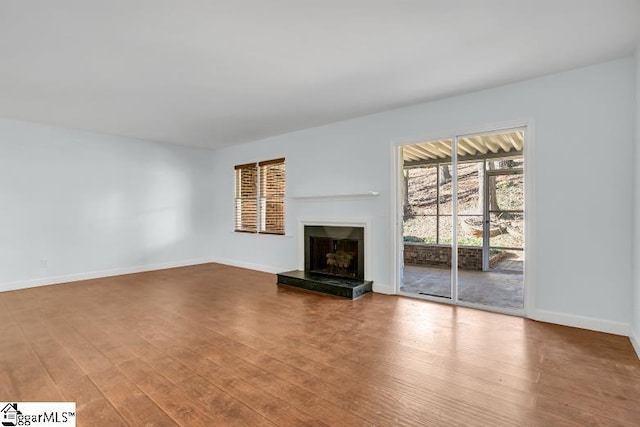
<point x="500" y="287"/>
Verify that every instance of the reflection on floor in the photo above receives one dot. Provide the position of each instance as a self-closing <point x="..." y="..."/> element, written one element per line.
<point x="500" y="287"/>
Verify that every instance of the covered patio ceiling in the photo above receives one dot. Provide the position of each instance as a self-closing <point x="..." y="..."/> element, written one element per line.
<point x="472" y="148"/>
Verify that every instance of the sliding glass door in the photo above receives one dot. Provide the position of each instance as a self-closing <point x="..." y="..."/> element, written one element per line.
<point x="463" y="220"/>
<point x="427" y="221"/>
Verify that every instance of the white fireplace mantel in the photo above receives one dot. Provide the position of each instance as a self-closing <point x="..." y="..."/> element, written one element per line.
<point x="342" y="222"/>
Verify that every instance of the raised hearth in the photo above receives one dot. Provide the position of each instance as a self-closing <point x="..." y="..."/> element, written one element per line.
<point x="332" y="285"/>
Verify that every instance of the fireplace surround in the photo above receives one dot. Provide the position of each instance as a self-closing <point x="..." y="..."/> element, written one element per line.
<point x="333" y="259"/>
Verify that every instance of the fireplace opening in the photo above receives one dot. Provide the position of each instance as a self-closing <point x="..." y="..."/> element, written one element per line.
<point x="334" y="256"/>
<point x="335" y="251"/>
<point x="333" y="262"/>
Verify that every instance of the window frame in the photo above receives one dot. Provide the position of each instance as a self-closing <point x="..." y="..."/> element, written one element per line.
<point x="238" y="198"/>
<point x="260" y="198"/>
<point x="263" y="217"/>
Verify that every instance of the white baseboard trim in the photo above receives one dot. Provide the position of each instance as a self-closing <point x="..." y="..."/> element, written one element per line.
<point x="251" y="266"/>
<point x="55" y="280"/>
<point x="383" y="288"/>
<point x="583" y="322"/>
<point x="635" y="341"/>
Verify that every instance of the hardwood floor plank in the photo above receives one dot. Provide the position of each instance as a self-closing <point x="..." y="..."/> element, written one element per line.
<point x="230" y="409"/>
<point x="80" y="390"/>
<point x="271" y="407"/>
<point x="218" y="345"/>
<point x="29" y="378"/>
<point x="99" y="413"/>
<point x="216" y="400"/>
<point x="57" y="360"/>
<point x="131" y="403"/>
<point x="227" y="359"/>
<point x="276" y="387"/>
<point x="112" y="349"/>
<point x="84" y="353"/>
<point x="169" y="398"/>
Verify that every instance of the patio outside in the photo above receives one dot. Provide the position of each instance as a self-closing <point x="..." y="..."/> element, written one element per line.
<point x="502" y="286"/>
<point x="489" y="220"/>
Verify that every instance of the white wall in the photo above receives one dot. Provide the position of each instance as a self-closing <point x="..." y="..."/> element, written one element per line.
<point x="635" y="325"/>
<point x="583" y="169"/>
<point x="93" y="205"/>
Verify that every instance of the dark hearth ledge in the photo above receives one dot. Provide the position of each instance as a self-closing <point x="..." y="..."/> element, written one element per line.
<point x="332" y="285"/>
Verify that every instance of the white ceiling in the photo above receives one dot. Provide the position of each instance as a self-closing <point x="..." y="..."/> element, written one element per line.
<point x="212" y="73"/>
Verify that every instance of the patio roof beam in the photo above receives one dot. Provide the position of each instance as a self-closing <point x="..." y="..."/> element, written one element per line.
<point x="476" y="143"/>
<point x="423" y="152"/>
<point x="491" y="144"/>
<point x="462" y="159"/>
<point x="516" y="142"/>
<point x="411" y="153"/>
<point x="502" y="142"/>
<point x="464" y="147"/>
<point x="433" y="150"/>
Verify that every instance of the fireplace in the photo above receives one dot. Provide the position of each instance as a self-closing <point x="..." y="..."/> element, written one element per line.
<point x="333" y="257"/>
<point x="334" y="250"/>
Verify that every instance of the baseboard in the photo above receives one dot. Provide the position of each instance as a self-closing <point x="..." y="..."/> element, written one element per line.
<point x="382" y="288"/>
<point x="55" y="280"/>
<point x="635" y="341"/>
<point x="251" y="266"/>
<point x="583" y="322"/>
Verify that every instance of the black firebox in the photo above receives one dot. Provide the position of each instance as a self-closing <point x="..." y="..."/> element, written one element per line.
<point x="335" y="251"/>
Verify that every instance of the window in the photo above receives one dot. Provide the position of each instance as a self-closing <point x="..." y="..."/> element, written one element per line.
<point x="247" y="197"/>
<point x="272" y="189"/>
<point x="260" y="192"/>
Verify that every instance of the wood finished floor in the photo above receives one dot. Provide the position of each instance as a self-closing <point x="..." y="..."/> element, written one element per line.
<point x="214" y="345"/>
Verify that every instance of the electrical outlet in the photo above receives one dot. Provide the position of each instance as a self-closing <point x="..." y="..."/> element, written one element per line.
<point x="44" y="263"/>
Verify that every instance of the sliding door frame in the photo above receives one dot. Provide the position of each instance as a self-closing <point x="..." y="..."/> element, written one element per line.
<point x="486" y="208"/>
<point x="527" y="126"/>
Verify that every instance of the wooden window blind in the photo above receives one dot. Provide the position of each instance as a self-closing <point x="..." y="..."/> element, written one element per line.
<point x="272" y="192"/>
<point x="260" y="197"/>
<point x="246" y="198"/>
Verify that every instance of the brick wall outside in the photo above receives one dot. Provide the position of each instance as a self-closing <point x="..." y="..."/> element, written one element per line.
<point x="469" y="258"/>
